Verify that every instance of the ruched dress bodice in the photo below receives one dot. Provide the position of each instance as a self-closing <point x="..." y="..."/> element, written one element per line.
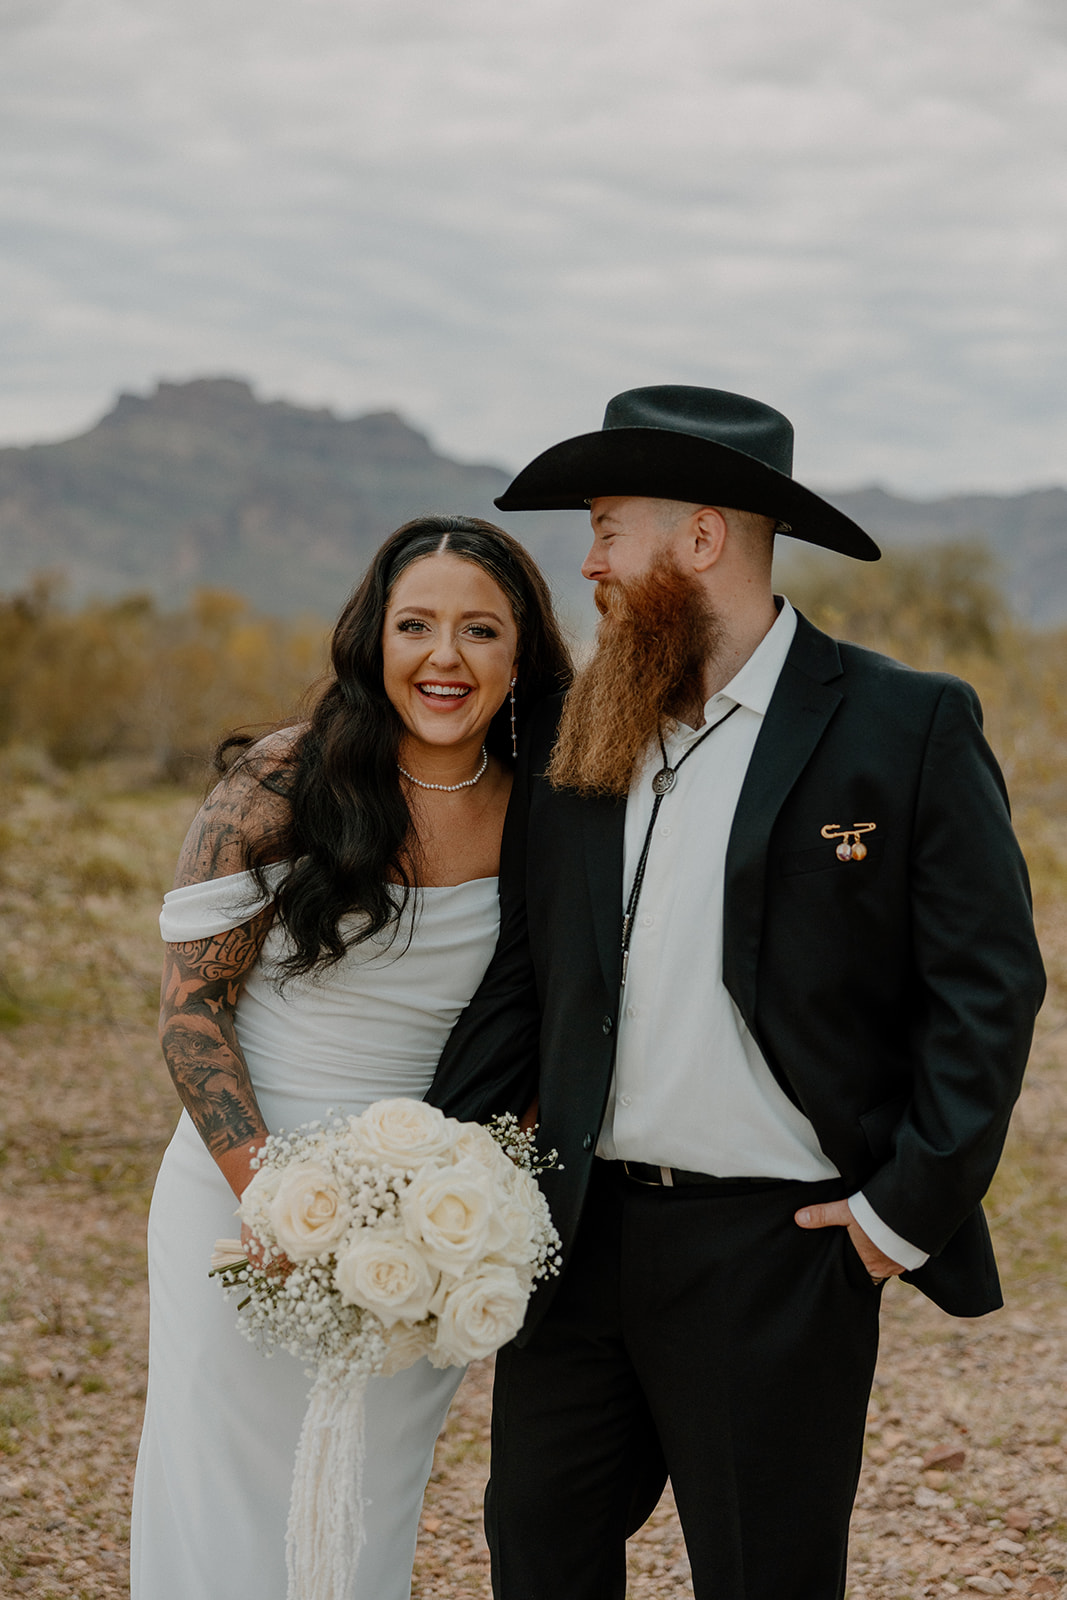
<point x="372" y="1025"/>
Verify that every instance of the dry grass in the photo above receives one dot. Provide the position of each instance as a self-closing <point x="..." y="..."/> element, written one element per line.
<point x="85" y="1109"/>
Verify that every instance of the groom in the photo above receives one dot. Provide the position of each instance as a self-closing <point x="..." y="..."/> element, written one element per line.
<point x="767" y="958"/>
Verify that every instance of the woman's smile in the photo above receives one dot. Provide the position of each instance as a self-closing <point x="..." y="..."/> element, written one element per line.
<point x="444" y="691"/>
<point x="449" y="642"/>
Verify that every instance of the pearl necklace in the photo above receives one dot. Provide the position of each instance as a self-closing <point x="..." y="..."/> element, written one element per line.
<point x="449" y="788"/>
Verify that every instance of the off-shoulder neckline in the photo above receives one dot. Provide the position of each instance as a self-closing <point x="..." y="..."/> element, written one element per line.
<point x="272" y="867"/>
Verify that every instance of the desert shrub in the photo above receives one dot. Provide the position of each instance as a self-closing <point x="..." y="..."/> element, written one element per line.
<point x="928" y="607"/>
<point x="104" y="874"/>
<point x="125" y="678"/>
<point x="943" y="608"/>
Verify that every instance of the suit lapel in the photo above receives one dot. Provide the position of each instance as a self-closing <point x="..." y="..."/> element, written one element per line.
<point x="800" y="709"/>
<point x="603" y="825"/>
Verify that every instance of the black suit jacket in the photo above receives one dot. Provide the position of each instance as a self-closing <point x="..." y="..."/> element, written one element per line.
<point x="893" y="998"/>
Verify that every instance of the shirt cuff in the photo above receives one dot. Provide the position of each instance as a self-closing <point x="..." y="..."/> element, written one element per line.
<point x="889" y="1243"/>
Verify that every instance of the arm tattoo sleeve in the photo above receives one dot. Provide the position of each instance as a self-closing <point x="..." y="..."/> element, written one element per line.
<point x="202" y="981"/>
<point x="245" y="801"/>
<point x="214" y="842"/>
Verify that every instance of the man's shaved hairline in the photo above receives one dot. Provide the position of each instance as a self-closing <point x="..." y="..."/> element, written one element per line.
<point x="753" y="524"/>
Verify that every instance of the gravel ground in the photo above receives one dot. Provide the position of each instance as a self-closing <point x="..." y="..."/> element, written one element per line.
<point x="964" y="1488"/>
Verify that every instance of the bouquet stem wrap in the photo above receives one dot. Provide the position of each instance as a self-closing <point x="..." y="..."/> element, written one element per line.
<point x="326" y="1533"/>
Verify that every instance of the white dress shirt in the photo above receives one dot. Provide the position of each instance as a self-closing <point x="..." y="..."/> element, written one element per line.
<point x="691" y="1088"/>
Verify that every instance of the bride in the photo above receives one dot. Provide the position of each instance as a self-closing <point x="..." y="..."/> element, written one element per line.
<point x="333" y="911"/>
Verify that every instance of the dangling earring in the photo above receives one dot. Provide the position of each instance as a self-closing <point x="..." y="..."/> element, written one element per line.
<point x="514" y="735"/>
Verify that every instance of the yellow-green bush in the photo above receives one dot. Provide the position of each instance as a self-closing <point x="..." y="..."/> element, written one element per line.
<point x="124" y="678"/>
<point x="943" y="608"/>
<point x="925" y="607"/>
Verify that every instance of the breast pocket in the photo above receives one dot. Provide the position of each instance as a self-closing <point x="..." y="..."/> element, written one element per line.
<point x="823" y="857"/>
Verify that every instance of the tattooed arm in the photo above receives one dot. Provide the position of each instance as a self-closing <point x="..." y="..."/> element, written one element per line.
<point x="248" y="803"/>
<point x="201" y="984"/>
<point x="203" y="979"/>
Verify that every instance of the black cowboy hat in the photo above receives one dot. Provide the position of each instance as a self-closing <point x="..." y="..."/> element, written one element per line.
<point x="677" y="442"/>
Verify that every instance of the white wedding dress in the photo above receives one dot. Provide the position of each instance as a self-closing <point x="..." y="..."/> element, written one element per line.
<point x="221" y="1425"/>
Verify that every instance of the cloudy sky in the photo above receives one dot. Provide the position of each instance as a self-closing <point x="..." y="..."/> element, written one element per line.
<point x="493" y="215"/>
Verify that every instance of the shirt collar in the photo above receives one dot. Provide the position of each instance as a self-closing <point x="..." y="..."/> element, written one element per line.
<point x="755" y="682"/>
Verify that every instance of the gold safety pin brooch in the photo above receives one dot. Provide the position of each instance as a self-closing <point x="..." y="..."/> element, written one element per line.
<point x="852" y="847"/>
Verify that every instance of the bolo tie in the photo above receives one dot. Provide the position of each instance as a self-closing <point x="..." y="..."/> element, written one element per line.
<point x="662" y="784"/>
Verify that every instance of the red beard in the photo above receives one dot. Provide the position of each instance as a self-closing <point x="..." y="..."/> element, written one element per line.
<point x="653" y="644"/>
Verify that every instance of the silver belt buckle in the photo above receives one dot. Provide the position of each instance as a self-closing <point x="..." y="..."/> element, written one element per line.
<point x="666" y="1177"/>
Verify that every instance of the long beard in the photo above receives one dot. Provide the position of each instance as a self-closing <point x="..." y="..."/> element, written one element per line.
<point x="656" y="635"/>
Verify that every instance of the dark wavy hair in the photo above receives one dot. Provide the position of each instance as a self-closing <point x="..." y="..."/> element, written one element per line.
<point x="348" y="831"/>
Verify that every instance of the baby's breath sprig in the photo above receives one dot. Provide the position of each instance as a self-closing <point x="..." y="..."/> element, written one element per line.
<point x="520" y="1144"/>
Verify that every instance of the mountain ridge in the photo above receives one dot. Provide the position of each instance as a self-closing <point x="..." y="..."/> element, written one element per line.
<point x="201" y="483"/>
<point x="1026" y="533"/>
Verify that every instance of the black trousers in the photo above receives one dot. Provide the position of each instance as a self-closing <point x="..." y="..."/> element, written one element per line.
<point x="702" y="1327"/>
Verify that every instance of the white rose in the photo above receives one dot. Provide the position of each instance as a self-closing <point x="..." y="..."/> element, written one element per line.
<point x="475" y="1143"/>
<point x="525" y="1273"/>
<point x="474" y="1146"/>
<point x="384" y="1272"/>
<point x="308" y="1212"/>
<point x="405" y="1345"/>
<point x="403" y="1133"/>
<point x="521" y="1214"/>
<point x="450" y="1214"/>
<point x="477" y="1315"/>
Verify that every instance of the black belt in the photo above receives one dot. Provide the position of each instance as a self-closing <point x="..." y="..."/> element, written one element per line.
<point x="670" y="1177"/>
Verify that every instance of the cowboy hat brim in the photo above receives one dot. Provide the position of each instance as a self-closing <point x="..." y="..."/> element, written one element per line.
<point x="664" y="464"/>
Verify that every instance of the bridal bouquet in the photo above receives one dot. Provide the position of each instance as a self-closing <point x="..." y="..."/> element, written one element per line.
<point x="380" y="1239"/>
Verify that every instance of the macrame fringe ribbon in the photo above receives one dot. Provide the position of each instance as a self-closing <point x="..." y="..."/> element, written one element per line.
<point x="326" y="1532"/>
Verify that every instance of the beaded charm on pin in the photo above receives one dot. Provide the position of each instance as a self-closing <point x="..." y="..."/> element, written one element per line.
<point x="851" y="847"/>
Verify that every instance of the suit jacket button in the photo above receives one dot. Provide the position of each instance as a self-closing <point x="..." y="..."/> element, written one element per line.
<point x="607" y="1025"/>
<point x="587" y="1142"/>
